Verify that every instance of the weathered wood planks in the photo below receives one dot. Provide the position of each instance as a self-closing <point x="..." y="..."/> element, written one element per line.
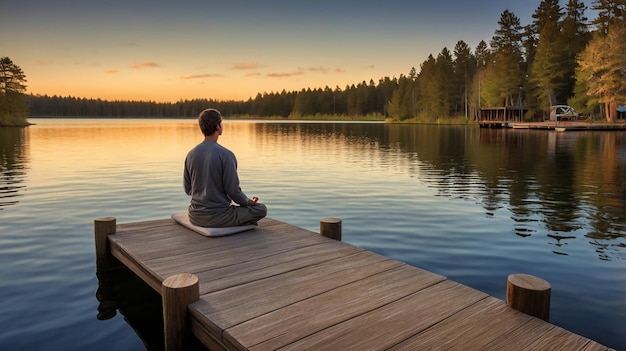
<point x="283" y="287"/>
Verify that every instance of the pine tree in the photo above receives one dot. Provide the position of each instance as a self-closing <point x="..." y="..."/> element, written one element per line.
<point x="13" y="108"/>
<point x="444" y="73"/>
<point x="464" y="69"/>
<point x="402" y="103"/>
<point x="547" y="71"/>
<point x="609" y="11"/>
<point x="573" y="39"/>
<point x="602" y="68"/>
<point x="481" y="57"/>
<point x="505" y="73"/>
<point x="428" y="88"/>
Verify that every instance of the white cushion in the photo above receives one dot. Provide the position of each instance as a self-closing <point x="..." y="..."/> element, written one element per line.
<point x="182" y="218"/>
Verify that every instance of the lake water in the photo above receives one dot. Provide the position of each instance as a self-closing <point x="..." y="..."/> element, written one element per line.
<point x="472" y="204"/>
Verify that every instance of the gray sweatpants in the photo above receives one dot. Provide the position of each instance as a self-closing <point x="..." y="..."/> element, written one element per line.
<point x="234" y="216"/>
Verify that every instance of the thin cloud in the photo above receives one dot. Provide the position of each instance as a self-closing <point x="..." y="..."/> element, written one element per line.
<point x="111" y="71"/>
<point x="147" y="64"/>
<point x="90" y="64"/>
<point x="44" y="63"/>
<point x="200" y="76"/>
<point x="284" y="74"/>
<point x="252" y="74"/>
<point x="322" y="70"/>
<point x="245" y="66"/>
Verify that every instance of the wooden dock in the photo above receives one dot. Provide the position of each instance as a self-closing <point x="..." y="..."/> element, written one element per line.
<point x="284" y="287"/>
<point x="560" y="126"/>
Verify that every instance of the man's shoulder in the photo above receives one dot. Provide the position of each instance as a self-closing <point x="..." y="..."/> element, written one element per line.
<point x="213" y="148"/>
<point x="195" y="149"/>
<point x="223" y="149"/>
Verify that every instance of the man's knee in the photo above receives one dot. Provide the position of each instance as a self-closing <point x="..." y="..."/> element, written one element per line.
<point x="260" y="210"/>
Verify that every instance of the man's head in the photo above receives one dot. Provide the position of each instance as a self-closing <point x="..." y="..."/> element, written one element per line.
<point x="209" y="120"/>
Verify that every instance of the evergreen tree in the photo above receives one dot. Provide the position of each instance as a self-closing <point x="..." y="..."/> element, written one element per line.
<point x="481" y="56"/>
<point x="573" y="39"/>
<point x="548" y="14"/>
<point x="428" y="89"/>
<point x="464" y="69"/>
<point x="444" y="72"/>
<point x="13" y="108"/>
<point x="530" y="88"/>
<point x="602" y="71"/>
<point x="529" y="45"/>
<point x="504" y="73"/>
<point x="436" y="86"/>
<point x="548" y="70"/>
<point x="384" y="92"/>
<point x="302" y="105"/>
<point x="402" y="103"/>
<point x="609" y="11"/>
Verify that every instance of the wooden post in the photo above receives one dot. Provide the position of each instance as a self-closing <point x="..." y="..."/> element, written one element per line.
<point x="177" y="292"/>
<point x="529" y="294"/>
<point x="331" y="228"/>
<point x="103" y="226"/>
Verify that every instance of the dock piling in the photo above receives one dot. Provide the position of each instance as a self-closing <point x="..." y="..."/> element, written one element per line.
<point x="331" y="228"/>
<point x="177" y="292"/>
<point x="103" y="226"/>
<point x="529" y="294"/>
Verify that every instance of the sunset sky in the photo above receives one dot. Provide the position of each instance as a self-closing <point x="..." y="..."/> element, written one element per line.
<point x="163" y="50"/>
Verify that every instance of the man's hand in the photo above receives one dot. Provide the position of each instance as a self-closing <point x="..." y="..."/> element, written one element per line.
<point x="253" y="201"/>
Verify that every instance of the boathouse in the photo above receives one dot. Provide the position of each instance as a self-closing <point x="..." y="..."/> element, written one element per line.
<point x="496" y="117"/>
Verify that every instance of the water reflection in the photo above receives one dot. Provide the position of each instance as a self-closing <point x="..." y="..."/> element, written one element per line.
<point x="13" y="164"/>
<point x="566" y="186"/>
<point x="568" y="181"/>
<point x="120" y="290"/>
<point x="466" y="203"/>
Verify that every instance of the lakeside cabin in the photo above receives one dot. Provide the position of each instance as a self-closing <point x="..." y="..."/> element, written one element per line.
<point x="498" y="117"/>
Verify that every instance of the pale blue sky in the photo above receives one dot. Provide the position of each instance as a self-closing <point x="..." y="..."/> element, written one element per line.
<point x="172" y="50"/>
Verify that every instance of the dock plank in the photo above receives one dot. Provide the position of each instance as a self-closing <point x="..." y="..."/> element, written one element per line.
<point x="291" y="323"/>
<point x="240" y="273"/>
<point x="472" y="328"/>
<point x="177" y="259"/>
<point x="384" y="327"/>
<point x="490" y="325"/>
<point x="157" y="241"/>
<point x="538" y="335"/>
<point x="232" y="306"/>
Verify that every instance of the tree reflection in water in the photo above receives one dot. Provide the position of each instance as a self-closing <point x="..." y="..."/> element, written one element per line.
<point x="13" y="164"/>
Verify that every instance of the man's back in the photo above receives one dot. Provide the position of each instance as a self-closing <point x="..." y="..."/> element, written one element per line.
<point x="211" y="178"/>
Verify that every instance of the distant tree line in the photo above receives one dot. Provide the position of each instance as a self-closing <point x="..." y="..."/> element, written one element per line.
<point x="360" y="100"/>
<point x="561" y="57"/>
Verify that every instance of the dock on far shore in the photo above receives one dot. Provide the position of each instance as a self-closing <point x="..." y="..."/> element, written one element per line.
<point x="559" y="126"/>
<point x="288" y="288"/>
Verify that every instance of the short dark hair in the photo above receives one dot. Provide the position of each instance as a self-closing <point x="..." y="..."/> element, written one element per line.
<point x="208" y="120"/>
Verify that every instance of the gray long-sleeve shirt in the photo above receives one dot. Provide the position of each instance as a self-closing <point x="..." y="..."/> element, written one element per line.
<point x="211" y="178"/>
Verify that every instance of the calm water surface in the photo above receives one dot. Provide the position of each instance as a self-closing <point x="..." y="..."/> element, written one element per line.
<point x="473" y="205"/>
